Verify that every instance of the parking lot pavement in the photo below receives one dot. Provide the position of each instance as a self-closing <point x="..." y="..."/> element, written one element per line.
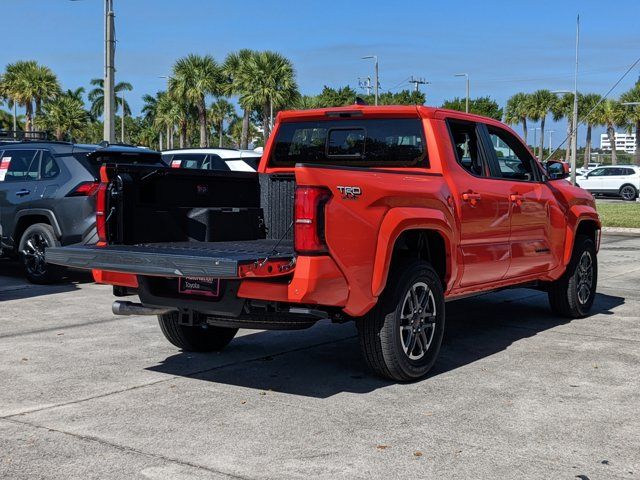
<point x="517" y="393"/>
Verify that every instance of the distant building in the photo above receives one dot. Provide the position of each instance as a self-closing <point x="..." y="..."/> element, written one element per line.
<point x="624" y="142"/>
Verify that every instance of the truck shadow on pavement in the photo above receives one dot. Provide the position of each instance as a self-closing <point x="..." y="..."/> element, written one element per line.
<point x="476" y="328"/>
<point x="14" y="286"/>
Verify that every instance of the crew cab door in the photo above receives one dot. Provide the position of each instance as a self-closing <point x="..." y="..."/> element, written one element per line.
<point x="18" y="182"/>
<point x="537" y="224"/>
<point x="483" y="206"/>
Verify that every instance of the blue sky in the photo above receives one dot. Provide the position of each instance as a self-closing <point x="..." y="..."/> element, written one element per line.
<point x="505" y="46"/>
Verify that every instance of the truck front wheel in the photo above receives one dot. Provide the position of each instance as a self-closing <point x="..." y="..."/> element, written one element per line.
<point x="198" y="338"/>
<point x="401" y="337"/>
<point x="572" y="295"/>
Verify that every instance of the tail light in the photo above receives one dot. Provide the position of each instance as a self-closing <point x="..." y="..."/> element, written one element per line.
<point x="85" y="189"/>
<point x="101" y="206"/>
<point x="309" y="219"/>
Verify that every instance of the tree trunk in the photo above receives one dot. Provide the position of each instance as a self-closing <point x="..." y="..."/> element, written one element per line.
<point x="587" y="148"/>
<point x="59" y="134"/>
<point x="611" y="133"/>
<point x="541" y="152"/>
<point x="524" y="130"/>
<point x="637" y="154"/>
<point x="244" y="139"/>
<point x="28" y="116"/>
<point x="567" y="144"/>
<point x="160" y="140"/>
<point x="202" y="118"/>
<point x="183" y="133"/>
<point x="266" y="126"/>
<point x="220" y="127"/>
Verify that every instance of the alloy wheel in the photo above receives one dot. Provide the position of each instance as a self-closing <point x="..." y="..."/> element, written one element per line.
<point x="417" y="321"/>
<point x="33" y="253"/>
<point x="628" y="193"/>
<point x="584" y="273"/>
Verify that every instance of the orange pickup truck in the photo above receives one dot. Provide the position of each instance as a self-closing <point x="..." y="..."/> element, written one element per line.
<point x="372" y="214"/>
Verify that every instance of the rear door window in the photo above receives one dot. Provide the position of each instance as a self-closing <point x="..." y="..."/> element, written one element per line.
<point x="394" y="142"/>
<point x="22" y="165"/>
<point x="466" y="143"/>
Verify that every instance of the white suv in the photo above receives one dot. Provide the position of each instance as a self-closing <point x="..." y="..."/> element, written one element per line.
<point x="225" y="159"/>
<point x="619" y="180"/>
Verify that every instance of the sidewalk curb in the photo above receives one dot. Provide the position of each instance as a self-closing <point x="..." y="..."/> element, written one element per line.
<point x="630" y="232"/>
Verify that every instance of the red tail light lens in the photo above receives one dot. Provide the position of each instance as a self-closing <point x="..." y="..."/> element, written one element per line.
<point x="85" y="189"/>
<point x="309" y="219"/>
<point x="101" y="206"/>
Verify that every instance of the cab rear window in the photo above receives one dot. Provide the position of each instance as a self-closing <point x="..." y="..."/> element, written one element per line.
<point x="360" y="142"/>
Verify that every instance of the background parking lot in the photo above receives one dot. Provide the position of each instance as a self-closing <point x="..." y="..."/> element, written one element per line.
<point x="516" y="393"/>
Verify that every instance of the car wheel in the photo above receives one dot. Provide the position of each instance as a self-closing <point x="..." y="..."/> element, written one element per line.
<point x="572" y="295"/>
<point x="401" y="337"/>
<point x="198" y="338"/>
<point x="33" y="243"/>
<point x="628" y="193"/>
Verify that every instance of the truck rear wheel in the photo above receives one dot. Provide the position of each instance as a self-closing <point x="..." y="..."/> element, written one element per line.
<point x="572" y="295"/>
<point x="198" y="338"/>
<point x="401" y="337"/>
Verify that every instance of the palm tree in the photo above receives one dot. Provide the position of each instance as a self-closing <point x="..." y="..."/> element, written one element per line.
<point x="26" y="82"/>
<point x="563" y="108"/>
<point x="78" y="93"/>
<point x="194" y="77"/>
<point x="516" y="111"/>
<point x="541" y="103"/>
<point x="65" y="115"/>
<point x="236" y="69"/>
<point x="274" y="85"/>
<point x="633" y="95"/>
<point x="96" y="97"/>
<point x="588" y="104"/>
<point x="611" y="114"/>
<point x="45" y="85"/>
<point x="221" y="111"/>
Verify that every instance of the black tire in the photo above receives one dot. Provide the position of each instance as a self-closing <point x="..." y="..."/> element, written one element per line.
<point x="200" y="338"/>
<point x="31" y="248"/>
<point x="384" y="334"/>
<point x="567" y="295"/>
<point x="628" y="193"/>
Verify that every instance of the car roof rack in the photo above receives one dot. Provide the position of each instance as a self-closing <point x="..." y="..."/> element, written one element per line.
<point x="22" y="136"/>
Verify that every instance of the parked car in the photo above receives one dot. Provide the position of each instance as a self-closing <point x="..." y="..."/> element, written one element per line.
<point x="590" y="166"/>
<point x="617" y="180"/>
<point x="372" y="214"/>
<point x="225" y="159"/>
<point x="48" y="198"/>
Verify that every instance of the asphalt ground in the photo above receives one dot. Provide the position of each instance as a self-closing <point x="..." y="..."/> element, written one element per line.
<point x="516" y="393"/>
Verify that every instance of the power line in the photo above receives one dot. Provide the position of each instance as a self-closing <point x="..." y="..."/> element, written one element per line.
<point x="604" y="97"/>
<point x="417" y="82"/>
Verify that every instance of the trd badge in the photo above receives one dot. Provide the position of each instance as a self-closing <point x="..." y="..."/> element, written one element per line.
<point x="349" y="193"/>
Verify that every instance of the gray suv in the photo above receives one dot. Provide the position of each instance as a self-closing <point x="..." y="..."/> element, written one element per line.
<point x="48" y="198"/>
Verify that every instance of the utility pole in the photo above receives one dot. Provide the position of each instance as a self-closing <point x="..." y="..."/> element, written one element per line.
<point x="417" y="82"/>
<point x="365" y="84"/>
<point x="574" y="138"/>
<point x="122" y="120"/>
<point x="109" y="73"/>
<point x="466" y="75"/>
<point x="376" y="85"/>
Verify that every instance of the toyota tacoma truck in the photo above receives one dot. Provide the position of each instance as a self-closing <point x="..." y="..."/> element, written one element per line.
<point x="374" y="214"/>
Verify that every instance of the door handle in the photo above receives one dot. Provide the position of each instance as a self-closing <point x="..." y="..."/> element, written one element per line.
<point x="471" y="197"/>
<point x="517" y="199"/>
<point x="23" y="192"/>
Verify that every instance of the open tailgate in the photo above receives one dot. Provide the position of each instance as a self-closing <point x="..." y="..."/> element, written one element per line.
<point x="175" y="259"/>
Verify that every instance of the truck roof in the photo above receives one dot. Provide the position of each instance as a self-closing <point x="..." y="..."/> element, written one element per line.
<point x="374" y="111"/>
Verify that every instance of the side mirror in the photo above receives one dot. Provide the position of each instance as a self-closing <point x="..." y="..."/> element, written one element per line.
<point x="557" y="170"/>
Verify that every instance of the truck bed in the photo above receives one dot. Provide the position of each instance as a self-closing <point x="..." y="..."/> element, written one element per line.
<point x="173" y="259"/>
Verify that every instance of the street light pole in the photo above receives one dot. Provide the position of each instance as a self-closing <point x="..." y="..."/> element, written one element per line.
<point x="550" y="150"/>
<point x="122" y="120"/>
<point x="109" y="73"/>
<point x="376" y="85"/>
<point x="466" y="75"/>
<point x="574" y="138"/>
